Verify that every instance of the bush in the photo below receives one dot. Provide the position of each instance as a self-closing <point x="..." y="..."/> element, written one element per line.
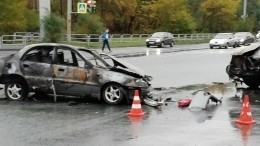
<point x="88" y="24"/>
<point x="53" y="28"/>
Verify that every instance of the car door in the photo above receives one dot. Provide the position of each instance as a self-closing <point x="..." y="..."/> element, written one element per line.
<point x="70" y="73"/>
<point x="36" y="71"/>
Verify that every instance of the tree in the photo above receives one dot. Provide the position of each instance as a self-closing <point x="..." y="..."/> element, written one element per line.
<point x="12" y="16"/>
<point x="88" y="24"/>
<point x="219" y="15"/>
<point x="53" y="28"/>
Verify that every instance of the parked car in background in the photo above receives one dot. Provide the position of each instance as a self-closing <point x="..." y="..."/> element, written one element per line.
<point x="160" y="39"/>
<point x="245" y="65"/>
<point x="258" y="35"/>
<point x="223" y="40"/>
<point x="61" y="69"/>
<point x="245" y="37"/>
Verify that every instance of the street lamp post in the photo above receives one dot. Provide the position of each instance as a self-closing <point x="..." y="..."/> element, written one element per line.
<point x="69" y="10"/>
<point x="244" y="10"/>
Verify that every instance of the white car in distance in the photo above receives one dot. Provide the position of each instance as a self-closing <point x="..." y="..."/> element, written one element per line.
<point x="223" y="40"/>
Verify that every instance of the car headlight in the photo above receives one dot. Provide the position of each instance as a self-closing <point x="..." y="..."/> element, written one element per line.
<point x="141" y="83"/>
<point x="158" y="40"/>
<point x="211" y="41"/>
<point x="147" y="40"/>
<point x="242" y="40"/>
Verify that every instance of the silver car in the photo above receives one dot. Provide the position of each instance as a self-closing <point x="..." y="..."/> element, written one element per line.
<point x="61" y="69"/>
<point x="223" y="40"/>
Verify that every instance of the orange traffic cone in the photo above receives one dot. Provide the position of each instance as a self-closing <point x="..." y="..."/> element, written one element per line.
<point x="245" y="115"/>
<point x="136" y="109"/>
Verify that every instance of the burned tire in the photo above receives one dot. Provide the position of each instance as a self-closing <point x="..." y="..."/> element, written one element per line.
<point x="113" y="94"/>
<point x="16" y="90"/>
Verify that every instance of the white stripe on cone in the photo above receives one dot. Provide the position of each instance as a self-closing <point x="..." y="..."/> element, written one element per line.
<point x="136" y="98"/>
<point x="136" y="106"/>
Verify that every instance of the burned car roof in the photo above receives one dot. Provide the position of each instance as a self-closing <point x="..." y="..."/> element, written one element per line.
<point x="245" y="49"/>
<point x="28" y="47"/>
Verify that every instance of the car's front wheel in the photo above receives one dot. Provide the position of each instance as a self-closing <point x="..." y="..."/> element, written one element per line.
<point x="113" y="94"/>
<point x="161" y="45"/>
<point x="16" y="90"/>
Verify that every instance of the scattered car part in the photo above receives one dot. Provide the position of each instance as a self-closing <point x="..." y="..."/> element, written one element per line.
<point x="153" y="103"/>
<point x="184" y="102"/>
<point x="201" y="99"/>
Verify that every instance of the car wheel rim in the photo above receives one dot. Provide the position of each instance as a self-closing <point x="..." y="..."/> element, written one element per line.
<point x="14" y="91"/>
<point x="162" y="44"/>
<point x="112" y="94"/>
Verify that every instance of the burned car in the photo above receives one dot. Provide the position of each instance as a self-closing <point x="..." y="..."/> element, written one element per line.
<point x="61" y="69"/>
<point x="245" y="65"/>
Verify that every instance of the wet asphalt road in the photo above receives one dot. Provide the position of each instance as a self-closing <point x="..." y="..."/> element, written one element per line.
<point x="41" y="122"/>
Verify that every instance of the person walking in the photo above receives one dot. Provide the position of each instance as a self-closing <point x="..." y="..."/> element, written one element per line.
<point x="105" y="40"/>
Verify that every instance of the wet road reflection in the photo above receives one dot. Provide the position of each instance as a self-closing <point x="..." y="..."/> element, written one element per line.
<point x="42" y="122"/>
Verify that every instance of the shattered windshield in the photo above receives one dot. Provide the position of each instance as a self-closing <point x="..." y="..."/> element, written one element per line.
<point x="93" y="58"/>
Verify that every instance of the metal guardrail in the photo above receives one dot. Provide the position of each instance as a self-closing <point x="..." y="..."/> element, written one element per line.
<point x="25" y="38"/>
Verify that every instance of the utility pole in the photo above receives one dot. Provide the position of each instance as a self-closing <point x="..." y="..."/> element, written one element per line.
<point x="44" y="10"/>
<point x="69" y="10"/>
<point x="244" y="10"/>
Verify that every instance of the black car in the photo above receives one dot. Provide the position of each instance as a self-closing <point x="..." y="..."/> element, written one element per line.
<point x="160" y="39"/>
<point x="245" y="38"/>
<point x="245" y="65"/>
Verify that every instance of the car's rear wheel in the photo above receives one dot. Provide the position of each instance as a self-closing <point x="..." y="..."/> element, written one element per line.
<point x="211" y="47"/>
<point x="16" y="90"/>
<point x="113" y="93"/>
<point x="147" y="46"/>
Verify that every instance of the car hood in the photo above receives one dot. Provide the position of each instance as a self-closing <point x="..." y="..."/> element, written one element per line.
<point x="125" y="67"/>
<point x="217" y="40"/>
<point x="244" y="49"/>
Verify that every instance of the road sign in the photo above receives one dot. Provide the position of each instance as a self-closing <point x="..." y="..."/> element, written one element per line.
<point x="82" y="8"/>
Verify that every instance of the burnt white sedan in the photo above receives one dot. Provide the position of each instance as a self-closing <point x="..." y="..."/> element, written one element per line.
<point x="70" y="70"/>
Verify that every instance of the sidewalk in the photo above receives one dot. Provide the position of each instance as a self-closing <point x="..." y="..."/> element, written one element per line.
<point x="141" y="51"/>
<point x="137" y="51"/>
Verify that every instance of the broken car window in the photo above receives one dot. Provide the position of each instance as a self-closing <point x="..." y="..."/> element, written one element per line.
<point x="40" y="54"/>
<point x="68" y="57"/>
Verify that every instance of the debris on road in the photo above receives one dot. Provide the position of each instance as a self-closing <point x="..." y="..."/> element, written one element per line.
<point x="202" y="98"/>
<point x="154" y="103"/>
<point x="184" y="102"/>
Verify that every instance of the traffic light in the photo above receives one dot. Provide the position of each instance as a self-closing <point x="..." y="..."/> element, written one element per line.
<point x="94" y="7"/>
<point x="91" y="6"/>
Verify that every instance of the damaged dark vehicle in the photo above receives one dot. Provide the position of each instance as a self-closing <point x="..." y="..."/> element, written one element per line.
<point x="245" y="65"/>
<point x="71" y="71"/>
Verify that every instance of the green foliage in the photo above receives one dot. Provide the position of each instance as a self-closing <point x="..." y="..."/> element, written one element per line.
<point x="12" y="16"/>
<point x="88" y="24"/>
<point x="53" y="28"/>
<point x="219" y="15"/>
<point x="32" y="20"/>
